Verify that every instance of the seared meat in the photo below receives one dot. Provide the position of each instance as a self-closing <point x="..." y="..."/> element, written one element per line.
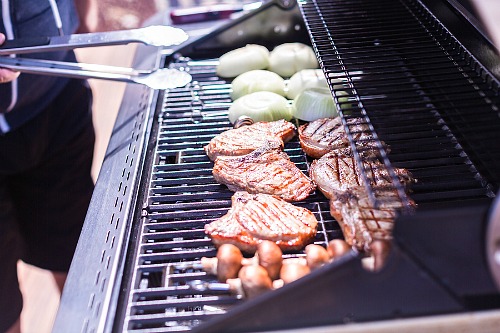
<point x="245" y="139"/>
<point x="361" y="223"/>
<point x="326" y="134"/>
<point x="265" y="170"/>
<point x="337" y="175"/>
<point x="338" y="171"/>
<point x="254" y="218"/>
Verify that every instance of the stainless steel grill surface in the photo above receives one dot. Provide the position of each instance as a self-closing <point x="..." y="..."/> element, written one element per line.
<point x="422" y="92"/>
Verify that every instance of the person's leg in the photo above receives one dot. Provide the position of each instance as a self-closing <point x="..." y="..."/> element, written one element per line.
<point x="11" y="300"/>
<point x="58" y="188"/>
<point x="11" y="243"/>
<point x="45" y="188"/>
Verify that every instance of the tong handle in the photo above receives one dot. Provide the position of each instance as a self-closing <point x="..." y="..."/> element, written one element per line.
<point x="24" y="42"/>
<point x="163" y="78"/>
<point x="158" y="35"/>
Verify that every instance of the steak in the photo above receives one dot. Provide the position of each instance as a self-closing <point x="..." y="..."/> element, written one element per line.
<point x="265" y="170"/>
<point x="254" y="218"/>
<point x="245" y="139"/>
<point x="326" y="134"/>
<point x="338" y="171"/>
<point x="360" y="222"/>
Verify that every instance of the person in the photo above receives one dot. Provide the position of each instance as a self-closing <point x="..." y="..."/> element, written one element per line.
<point x="46" y="149"/>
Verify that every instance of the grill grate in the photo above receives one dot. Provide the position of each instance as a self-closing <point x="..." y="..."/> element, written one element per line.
<point x="417" y="88"/>
<point x="420" y="89"/>
<point x="171" y="292"/>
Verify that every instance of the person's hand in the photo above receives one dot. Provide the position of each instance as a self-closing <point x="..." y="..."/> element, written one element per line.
<point x="6" y="75"/>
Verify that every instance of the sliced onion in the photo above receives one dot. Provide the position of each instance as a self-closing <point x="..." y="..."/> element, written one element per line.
<point x="314" y="103"/>
<point x="306" y="78"/>
<point x="257" y="80"/>
<point x="261" y="106"/>
<point x="243" y="59"/>
<point x="289" y="58"/>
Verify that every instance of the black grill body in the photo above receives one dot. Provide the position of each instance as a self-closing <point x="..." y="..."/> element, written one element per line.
<point x="426" y="88"/>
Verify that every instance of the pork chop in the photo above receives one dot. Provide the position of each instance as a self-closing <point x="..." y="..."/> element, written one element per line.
<point x="266" y="170"/>
<point x="338" y="171"/>
<point x="245" y="139"/>
<point x="326" y="134"/>
<point x="253" y="218"/>
<point x="360" y="222"/>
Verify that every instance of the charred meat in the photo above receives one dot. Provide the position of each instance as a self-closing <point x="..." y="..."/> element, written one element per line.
<point x="254" y="218"/>
<point x="265" y="170"/>
<point x="245" y="139"/>
<point x="338" y="171"/>
<point x="361" y="223"/>
<point x="326" y="134"/>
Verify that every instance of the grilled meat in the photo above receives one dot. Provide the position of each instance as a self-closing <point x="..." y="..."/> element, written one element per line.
<point x="243" y="140"/>
<point x="265" y="170"/>
<point x="338" y="171"/>
<point x="361" y="223"/>
<point x="337" y="175"/>
<point x="254" y="218"/>
<point x="326" y="134"/>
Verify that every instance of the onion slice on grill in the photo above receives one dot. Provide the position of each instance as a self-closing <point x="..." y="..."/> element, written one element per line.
<point x="257" y="80"/>
<point x="315" y="103"/>
<point x="306" y="78"/>
<point x="289" y="58"/>
<point x="261" y="106"/>
<point x="243" y="59"/>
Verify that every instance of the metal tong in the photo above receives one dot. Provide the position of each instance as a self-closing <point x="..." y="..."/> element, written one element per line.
<point x="162" y="78"/>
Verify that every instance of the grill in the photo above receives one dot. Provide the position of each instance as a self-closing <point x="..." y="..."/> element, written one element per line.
<point x="406" y="72"/>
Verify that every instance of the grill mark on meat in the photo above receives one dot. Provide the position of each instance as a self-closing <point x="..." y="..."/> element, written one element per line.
<point x="321" y="136"/>
<point x="253" y="218"/>
<point x="265" y="170"/>
<point x="360" y="222"/>
<point x="338" y="171"/>
<point x="261" y="209"/>
<point x="338" y="177"/>
<point x="245" y="139"/>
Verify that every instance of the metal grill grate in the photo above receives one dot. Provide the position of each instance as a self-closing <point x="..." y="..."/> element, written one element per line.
<point x="419" y="91"/>
<point x="171" y="292"/>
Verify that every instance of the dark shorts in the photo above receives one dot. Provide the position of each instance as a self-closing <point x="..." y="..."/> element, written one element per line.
<point x="45" y="190"/>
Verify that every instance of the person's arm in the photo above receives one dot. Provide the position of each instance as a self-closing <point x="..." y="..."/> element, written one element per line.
<point x="6" y="75"/>
<point x="89" y="15"/>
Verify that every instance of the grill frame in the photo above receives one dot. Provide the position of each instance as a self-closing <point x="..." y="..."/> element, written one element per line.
<point x="78" y="295"/>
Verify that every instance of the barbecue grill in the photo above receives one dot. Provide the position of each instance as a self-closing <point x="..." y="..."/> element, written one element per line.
<point x="425" y="78"/>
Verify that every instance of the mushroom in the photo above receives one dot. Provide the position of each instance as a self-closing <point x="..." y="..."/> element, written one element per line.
<point x="316" y="256"/>
<point x="337" y="248"/>
<point x="270" y="257"/>
<point x="235" y="286"/>
<point x="254" y="280"/>
<point x="380" y="250"/>
<point x="229" y="259"/>
<point x="293" y="269"/>
<point x="209" y="265"/>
